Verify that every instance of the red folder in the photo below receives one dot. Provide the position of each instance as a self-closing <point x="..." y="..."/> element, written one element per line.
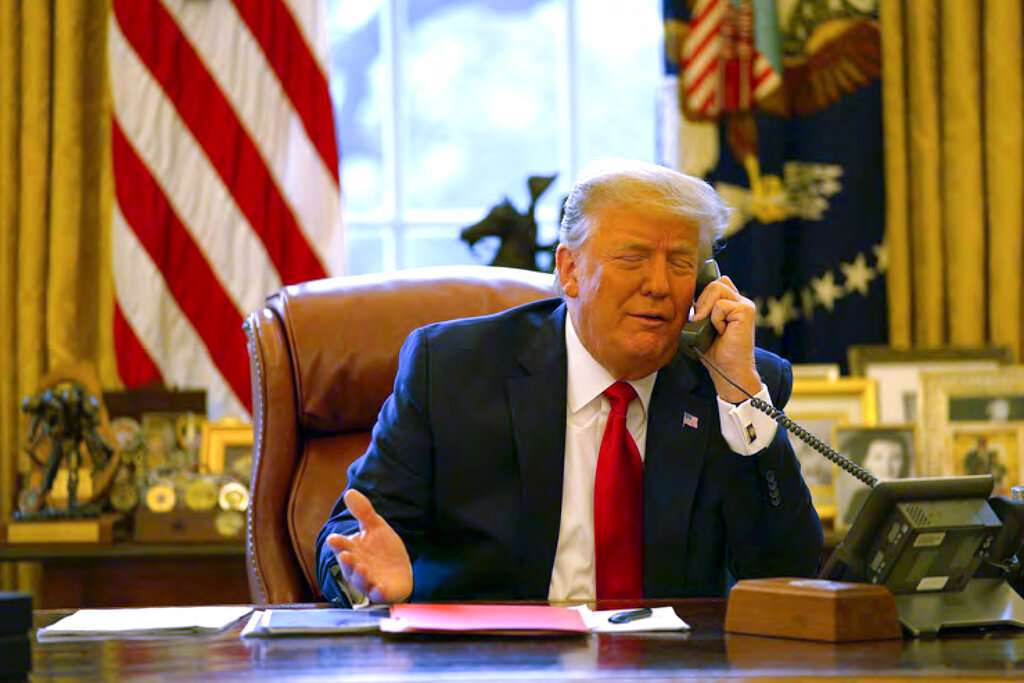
<point x="495" y="619"/>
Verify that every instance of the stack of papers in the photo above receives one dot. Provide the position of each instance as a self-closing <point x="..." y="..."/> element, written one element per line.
<point x="144" y="621"/>
<point x="292" y="622"/>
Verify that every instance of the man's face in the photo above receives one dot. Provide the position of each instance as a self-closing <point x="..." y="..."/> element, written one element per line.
<point x="629" y="288"/>
<point x="884" y="459"/>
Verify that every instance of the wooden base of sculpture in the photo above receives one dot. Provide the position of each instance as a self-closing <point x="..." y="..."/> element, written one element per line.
<point x="102" y="529"/>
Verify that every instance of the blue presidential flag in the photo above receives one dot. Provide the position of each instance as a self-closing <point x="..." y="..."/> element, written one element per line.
<point x="778" y="105"/>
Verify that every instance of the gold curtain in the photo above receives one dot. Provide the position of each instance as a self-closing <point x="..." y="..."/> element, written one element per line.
<point x="56" y="291"/>
<point x="952" y="75"/>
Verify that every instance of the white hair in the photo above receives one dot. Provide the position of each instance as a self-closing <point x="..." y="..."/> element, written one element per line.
<point x="647" y="189"/>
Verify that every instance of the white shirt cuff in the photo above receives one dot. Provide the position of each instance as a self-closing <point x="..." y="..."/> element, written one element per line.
<point x="745" y="428"/>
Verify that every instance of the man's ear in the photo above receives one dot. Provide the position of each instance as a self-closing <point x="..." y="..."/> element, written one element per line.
<point x="565" y="264"/>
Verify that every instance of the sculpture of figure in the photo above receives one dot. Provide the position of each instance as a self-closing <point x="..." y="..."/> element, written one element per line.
<point x="65" y="417"/>
<point x="517" y="231"/>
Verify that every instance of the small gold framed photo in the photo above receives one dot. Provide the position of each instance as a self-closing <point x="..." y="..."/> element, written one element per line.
<point x="227" y="449"/>
<point x="820" y="406"/>
<point x="988" y="448"/>
<point x="852" y="397"/>
<point x="965" y="400"/>
<point x="815" y="468"/>
<point x="826" y="371"/>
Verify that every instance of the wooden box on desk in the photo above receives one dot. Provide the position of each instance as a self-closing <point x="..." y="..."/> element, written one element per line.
<point x="812" y="609"/>
<point x="182" y="526"/>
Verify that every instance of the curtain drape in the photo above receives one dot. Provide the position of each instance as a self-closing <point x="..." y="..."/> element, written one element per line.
<point x="952" y="75"/>
<point x="55" y="286"/>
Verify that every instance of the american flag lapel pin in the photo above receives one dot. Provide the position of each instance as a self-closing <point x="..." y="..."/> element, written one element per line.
<point x="689" y="420"/>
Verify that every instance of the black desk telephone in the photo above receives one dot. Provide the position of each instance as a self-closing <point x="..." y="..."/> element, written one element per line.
<point x="945" y="546"/>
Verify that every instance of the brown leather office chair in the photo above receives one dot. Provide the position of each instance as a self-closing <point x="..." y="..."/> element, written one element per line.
<point x="323" y="357"/>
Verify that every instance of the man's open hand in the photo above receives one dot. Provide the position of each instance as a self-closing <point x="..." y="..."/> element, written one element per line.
<point x="374" y="561"/>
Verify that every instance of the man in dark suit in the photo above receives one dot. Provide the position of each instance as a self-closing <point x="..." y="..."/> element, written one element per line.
<point x="487" y="475"/>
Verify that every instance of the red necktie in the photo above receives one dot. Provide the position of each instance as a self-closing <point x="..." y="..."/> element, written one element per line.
<point x="618" y="504"/>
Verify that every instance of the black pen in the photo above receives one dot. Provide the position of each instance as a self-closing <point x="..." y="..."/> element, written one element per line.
<point x="629" y="615"/>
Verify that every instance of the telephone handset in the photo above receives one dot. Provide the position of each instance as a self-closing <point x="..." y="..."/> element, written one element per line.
<point x="700" y="333"/>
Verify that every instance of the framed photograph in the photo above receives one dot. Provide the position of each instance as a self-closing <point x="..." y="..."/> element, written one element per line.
<point x="885" y="452"/>
<point x="227" y="449"/>
<point x="816" y="370"/>
<point x="989" y="448"/>
<point x="898" y="373"/>
<point x="816" y="468"/>
<point x="986" y="408"/>
<point x="820" y="406"/>
<point x="959" y="399"/>
<point x="852" y="397"/>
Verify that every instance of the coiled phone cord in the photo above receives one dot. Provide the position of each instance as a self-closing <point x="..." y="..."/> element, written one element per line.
<point x="798" y="431"/>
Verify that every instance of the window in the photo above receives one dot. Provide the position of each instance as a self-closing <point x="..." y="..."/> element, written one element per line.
<point x="445" y="107"/>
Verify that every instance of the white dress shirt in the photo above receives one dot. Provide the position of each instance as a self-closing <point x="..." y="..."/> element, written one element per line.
<point x="745" y="429"/>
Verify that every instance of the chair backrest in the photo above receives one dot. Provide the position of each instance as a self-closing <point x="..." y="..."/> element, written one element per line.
<point x="323" y="357"/>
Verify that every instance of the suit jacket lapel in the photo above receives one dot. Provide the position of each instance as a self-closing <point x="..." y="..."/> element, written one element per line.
<point x="672" y="464"/>
<point x="537" y="401"/>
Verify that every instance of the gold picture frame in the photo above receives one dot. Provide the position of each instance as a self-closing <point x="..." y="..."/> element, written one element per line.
<point x="942" y="389"/>
<point x="897" y="372"/>
<point x="827" y="371"/>
<point x="995" y="448"/>
<point x="820" y="406"/>
<point x="854" y="397"/>
<point x="226" y="443"/>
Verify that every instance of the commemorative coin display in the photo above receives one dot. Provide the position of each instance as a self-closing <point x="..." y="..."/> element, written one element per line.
<point x="160" y="497"/>
<point x="229" y="523"/>
<point x="200" y="494"/>
<point x="233" y="496"/>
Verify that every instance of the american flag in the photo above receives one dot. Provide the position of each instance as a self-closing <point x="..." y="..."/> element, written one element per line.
<point x="226" y="181"/>
<point x="721" y="67"/>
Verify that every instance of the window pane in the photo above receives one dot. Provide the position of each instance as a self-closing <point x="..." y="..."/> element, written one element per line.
<point x="441" y="246"/>
<point x="357" y="82"/>
<point x="618" y="87"/>
<point x="478" y="101"/>
<point x="480" y="105"/>
<point x="370" y="249"/>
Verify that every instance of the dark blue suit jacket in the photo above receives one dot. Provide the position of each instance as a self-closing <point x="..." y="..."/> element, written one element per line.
<point x="466" y="461"/>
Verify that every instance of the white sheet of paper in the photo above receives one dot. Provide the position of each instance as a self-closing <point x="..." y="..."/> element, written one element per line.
<point x="145" y="621"/>
<point x="661" y="619"/>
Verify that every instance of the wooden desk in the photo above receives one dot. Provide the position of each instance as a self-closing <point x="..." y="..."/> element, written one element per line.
<point x="704" y="653"/>
<point x="135" y="574"/>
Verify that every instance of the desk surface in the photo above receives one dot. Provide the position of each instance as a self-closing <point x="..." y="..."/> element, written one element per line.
<point x="703" y="653"/>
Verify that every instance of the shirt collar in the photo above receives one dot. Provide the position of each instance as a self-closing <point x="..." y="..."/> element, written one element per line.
<point x="587" y="379"/>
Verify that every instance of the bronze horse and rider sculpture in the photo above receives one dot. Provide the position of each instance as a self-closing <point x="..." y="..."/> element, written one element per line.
<point x="517" y="231"/>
